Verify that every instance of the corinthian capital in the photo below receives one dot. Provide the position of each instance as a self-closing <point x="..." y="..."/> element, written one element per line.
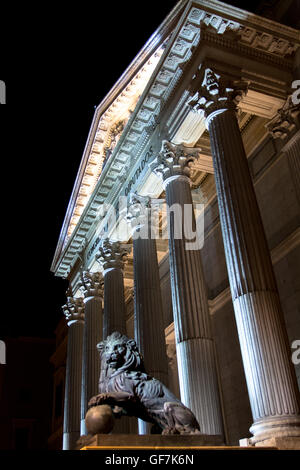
<point x="139" y="210"/>
<point x="217" y="92"/>
<point x="73" y="309"/>
<point x="284" y="121"/>
<point x="174" y="160"/>
<point x="112" y="254"/>
<point x="92" y="284"/>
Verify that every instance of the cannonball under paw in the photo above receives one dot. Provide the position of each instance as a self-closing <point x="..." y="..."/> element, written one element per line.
<point x="99" y="420"/>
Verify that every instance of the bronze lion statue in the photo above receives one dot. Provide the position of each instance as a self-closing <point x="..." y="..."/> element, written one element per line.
<point x="129" y="390"/>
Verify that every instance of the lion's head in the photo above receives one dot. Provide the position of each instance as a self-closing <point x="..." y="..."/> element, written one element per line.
<point x="120" y="353"/>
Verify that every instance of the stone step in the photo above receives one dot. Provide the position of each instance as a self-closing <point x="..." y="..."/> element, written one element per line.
<point x="157" y="441"/>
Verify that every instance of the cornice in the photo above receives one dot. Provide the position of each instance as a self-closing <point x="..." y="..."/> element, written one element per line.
<point x="248" y="19"/>
<point x="145" y="119"/>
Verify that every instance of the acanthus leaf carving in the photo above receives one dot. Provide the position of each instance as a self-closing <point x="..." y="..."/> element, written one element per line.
<point x="174" y="160"/>
<point x="112" y="254"/>
<point x="92" y="284"/>
<point x="217" y="92"/>
<point x="73" y="309"/>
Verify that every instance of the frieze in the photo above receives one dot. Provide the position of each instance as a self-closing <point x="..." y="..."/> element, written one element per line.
<point x="244" y="50"/>
<point x="96" y="244"/>
<point x="139" y="171"/>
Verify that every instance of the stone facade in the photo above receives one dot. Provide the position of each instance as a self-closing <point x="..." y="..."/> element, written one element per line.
<point x="242" y="176"/>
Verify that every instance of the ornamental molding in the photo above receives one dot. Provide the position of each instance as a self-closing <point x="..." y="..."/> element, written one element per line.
<point x="205" y="22"/>
<point x="251" y="36"/>
<point x="224" y="10"/>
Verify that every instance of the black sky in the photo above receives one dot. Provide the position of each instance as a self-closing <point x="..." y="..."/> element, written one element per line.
<point x="58" y="64"/>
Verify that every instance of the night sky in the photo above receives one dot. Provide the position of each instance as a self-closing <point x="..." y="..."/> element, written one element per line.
<point x="58" y="65"/>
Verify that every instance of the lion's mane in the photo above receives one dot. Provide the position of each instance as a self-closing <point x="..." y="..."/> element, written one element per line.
<point x="133" y="358"/>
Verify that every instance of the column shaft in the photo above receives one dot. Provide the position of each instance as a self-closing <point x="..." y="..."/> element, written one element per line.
<point x="93" y="334"/>
<point x="71" y="428"/>
<point x="148" y="313"/>
<point x="194" y="343"/>
<point x="269" y="373"/>
<point x="114" y="303"/>
<point x="114" y="319"/>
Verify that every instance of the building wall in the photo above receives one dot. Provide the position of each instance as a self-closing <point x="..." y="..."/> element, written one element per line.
<point x="58" y="361"/>
<point x="26" y="397"/>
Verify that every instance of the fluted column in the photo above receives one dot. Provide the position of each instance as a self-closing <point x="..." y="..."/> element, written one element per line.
<point x="270" y="375"/>
<point x="92" y="286"/>
<point x="113" y="255"/>
<point x="194" y="343"/>
<point x="148" y="310"/>
<point x="74" y="312"/>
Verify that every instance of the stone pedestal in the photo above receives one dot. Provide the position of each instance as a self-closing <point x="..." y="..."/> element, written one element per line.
<point x="153" y="441"/>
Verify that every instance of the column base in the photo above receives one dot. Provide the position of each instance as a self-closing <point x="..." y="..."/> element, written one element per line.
<point x="70" y="440"/>
<point x="281" y="432"/>
<point x="83" y="429"/>
<point x="144" y="428"/>
<point x="277" y="426"/>
<point x="281" y="443"/>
